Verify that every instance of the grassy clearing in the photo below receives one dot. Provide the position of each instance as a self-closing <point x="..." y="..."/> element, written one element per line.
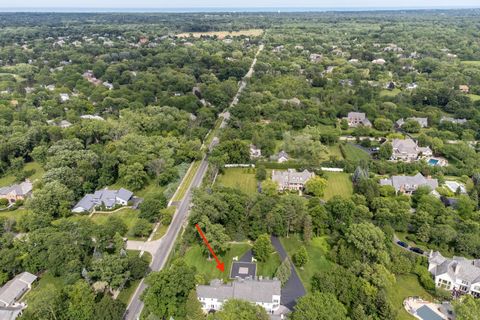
<point x="162" y="229"/>
<point x="269" y="267"/>
<point x="187" y="180"/>
<point x="473" y="97"/>
<point x="10" y="179"/>
<point x="335" y="151"/>
<point x="127" y="215"/>
<point x="242" y="179"/>
<point x="207" y="268"/>
<point x="16" y="215"/>
<point x="472" y="63"/>
<point x="339" y="184"/>
<point x="355" y="154"/>
<point x="46" y="279"/>
<point x="317" y="250"/>
<point x="406" y="286"/>
<point x="390" y="93"/>
<point x="222" y="34"/>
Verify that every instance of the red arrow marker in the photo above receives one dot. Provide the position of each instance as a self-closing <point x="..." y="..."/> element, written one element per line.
<point x="220" y="265"/>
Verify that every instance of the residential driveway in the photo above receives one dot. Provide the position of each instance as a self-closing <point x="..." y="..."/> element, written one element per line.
<point x="294" y="288"/>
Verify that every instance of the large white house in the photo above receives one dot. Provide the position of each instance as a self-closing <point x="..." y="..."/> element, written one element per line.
<point x="107" y="198"/>
<point x="408" y="150"/>
<point x="457" y="274"/>
<point x="265" y="293"/>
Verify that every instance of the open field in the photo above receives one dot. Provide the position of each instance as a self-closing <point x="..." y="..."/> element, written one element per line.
<point x="406" y="286"/>
<point x="10" y="179"/>
<point x="269" y="267"/>
<point x="239" y="178"/>
<point x="334" y="151"/>
<point x="317" y="260"/>
<point x="389" y="93"/>
<point x="207" y="268"/>
<point x="355" y="154"/>
<point x="339" y="184"/>
<point x="222" y="34"/>
<point x="187" y="180"/>
<point x="472" y="63"/>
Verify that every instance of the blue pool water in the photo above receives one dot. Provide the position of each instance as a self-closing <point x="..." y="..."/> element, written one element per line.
<point x="433" y="162"/>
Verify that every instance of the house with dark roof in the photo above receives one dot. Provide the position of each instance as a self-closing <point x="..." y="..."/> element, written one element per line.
<point x="455" y="274"/>
<point x="280" y="157"/>
<point x="262" y="292"/>
<point x="409" y="184"/>
<point x="107" y="198"/>
<point x="17" y="191"/>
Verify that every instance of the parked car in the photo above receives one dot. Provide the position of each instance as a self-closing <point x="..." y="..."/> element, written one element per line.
<point x="416" y="250"/>
<point x="403" y="244"/>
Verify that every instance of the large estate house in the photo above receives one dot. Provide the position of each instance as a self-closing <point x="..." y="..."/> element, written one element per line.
<point x="408" y="150"/>
<point x="356" y="119"/>
<point x="291" y="179"/>
<point x="265" y="293"/>
<point x="16" y="192"/>
<point x="11" y="293"/>
<point x="455" y="274"/>
<point x="409" y="184"/>
<point x="107" y="198"/>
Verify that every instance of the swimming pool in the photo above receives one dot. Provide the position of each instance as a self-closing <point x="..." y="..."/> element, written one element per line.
<point x="433" y="162"/>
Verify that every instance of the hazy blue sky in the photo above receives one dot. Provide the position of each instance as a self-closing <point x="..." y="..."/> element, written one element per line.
<point x="239" y="3"/>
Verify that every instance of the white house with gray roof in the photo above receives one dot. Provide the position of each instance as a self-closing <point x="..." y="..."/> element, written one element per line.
<point x="356" y="119"/>
<point x="265" y="293"/>
<point x="107" y="198"/>
<point x="457" y="273"/>
<point x="408" y="150"/>
<point x="291" y="179"/>
<point x="14" y="289"/>
<point x="453" y="120"/>
<point x="408" y="184"/>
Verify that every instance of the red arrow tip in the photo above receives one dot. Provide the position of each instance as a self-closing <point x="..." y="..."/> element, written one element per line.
<point x="221" y="266"/>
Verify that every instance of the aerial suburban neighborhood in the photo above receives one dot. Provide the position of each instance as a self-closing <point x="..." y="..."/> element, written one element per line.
<point x="230" y="164"/>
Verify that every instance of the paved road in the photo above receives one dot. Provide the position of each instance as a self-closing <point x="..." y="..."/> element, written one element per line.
<point x="159" y="258"/>
<point x="166" y="243"/>
<point x="294" y="288"/>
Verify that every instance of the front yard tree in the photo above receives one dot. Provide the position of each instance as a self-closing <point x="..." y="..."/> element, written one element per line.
<point x="262" y="248"/>
<point x="133" y="175"/>
<point x="269" y="188"/>
<point x="319" y="306"/>
<point x="300" y="258"/>
<point x="54" y="200"/>
<point x="151" y="207"/>
<point x="235" y="309"/>
<point x="194" y="307"/>
<point x="385" y="151"/>
<point x="216" y="236"/>
<point x="109" y="309"/>
<point x="368" y="239"/>
<point x="261" y="173"/>
<point x="307" y="229"/>
<point x="284" y="271"/>
<point x="316" y="186"/>
<point x="81" y="302"/>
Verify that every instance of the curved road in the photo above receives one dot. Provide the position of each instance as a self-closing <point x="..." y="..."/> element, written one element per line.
<point x="160" y="257"/>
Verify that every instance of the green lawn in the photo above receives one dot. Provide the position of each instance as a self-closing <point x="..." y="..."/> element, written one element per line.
<point x="239" y="178"/>
<point x="473" y="97"/>
<point x="10" y="179"/>
<point x="162" y="229"/>
<point x="16" y="215"/>
<point x="317" y="260"/>
<point x="355" y="154"/>
<point x="339" y="184"/>
<point x="269" y="267"/>
<point x="406" y="286"/>
<point x="334" y="151"/>
<point x="472" y="63"/>
<point x="127" y="215"/>
<point x="207" y="268"/>
<point x="45" y="280"/>
<point x="187" y="180"/>
<point x="390" y="93"/>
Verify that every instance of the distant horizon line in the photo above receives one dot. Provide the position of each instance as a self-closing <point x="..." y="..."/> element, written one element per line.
<point x="218" y="9"/>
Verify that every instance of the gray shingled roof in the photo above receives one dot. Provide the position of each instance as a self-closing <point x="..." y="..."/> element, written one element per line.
<point x="15" y="288"/>
<point x="457" y="267"/>
<point x="124" y="194"/>
<point x="105" y="196"/>
<point x="249" y="290"/>
<point x="21" y="189"/>
<point x="409" y="182"/>
<point x="284" y="178"/>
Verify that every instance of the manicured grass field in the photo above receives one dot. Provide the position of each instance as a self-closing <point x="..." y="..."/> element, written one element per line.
<point x="239" y="178"/>
<point x="187" y="180"/>
<point x="17" y="215"/>
<point x="127" y="215"/>
<point x="338" y="184"/>
<point x="10" y="179"/>
<point x="334" y="151"/>
<point x="390" y="93"/>
<point x="207" y="268"/>
<point x="353" y="153"/>
<point x="406" y="286"/>
<point x="45" y="280"/>
<point x="317" y="261"/>
<point x="269" y="267"/>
